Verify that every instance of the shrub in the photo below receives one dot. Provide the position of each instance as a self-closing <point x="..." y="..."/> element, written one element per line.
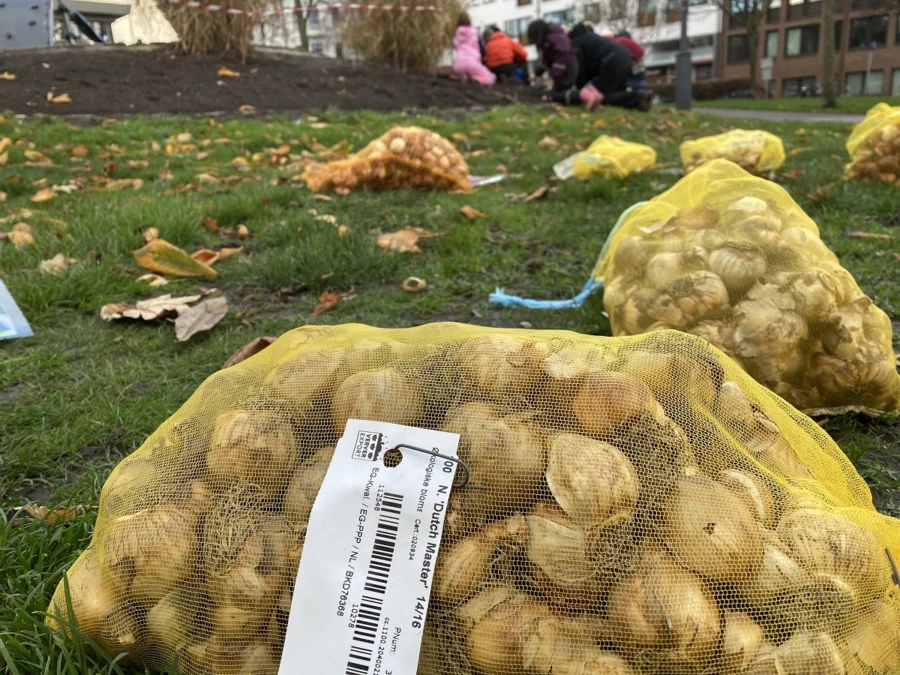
<point x="707" y="90"/>
<point x="408" y="41"/>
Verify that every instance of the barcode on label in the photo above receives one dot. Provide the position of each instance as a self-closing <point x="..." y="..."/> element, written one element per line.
<point x="377" y="576"/>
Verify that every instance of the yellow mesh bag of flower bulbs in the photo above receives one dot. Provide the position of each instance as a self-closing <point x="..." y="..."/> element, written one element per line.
<point x="874" y="146"/>
<point x="754" y="151"/>
<point x="611" y="157"/>
<point x="635" y="506"/>
<point x="404" y="157"/>
<point x="732" y="258"/>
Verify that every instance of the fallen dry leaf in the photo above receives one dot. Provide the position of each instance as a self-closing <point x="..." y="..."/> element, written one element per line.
<point x="413" y="284"/>
<point x="4" y="158"/>
<point x="246" y="108"/>
<point x="895" y="256"/>
<point x="210" y="224"/>
<point x="459" y="136"/>
<point x="207" y="178"/>
<point x="153" y="280"/>
<point x="184" y="137"/>
<point x="44" y="195"/>
<point x="209" y="257"/>
<point x="80" y="151"/>
<point x="406" y="240"/>
<point x="2" y="196"/>
<point x="243" y="232"/>
<point x="547" y="143"/>
<point x="200" y="318"/>
<point x="540" y="193"/>
<point x="5" y="142"/>
<point x="6" y="75"/>
<point x="150" y="234"/>
<point x="329" y="299"/>
<point x="471" y="213"/>
<point x="148" y="310"/>
<point x="252" y="348"/>
<point x="858" y="234"/>
<point x="227" y="72"/>
<point x="55" y="265"/>
<point x="35" y="156"/>
<point x="321" y="198"/>
<point x="62" y="98"/>
<point x="164" y="258"/>
<point x="165" y="174"/>
<point x="57" y="516"/>
<point x="20" y="235"/>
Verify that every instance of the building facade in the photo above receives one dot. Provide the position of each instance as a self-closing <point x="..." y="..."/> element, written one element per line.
<point x="653" y="23"/>
<point x="866" y="39"/>
<point x="322" y="31"/>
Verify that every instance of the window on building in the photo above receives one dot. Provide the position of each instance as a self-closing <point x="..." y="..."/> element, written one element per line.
<point x="790" y="86"/>
<point x="646" y="12"/>
<point x="516" y="28"/>
<point x="895" y="82"/>
<point x="860" y="85"/>
<point x="838" y="33"/>
<point x="592" y="12"/>
<point x="868" y="32"/>
<point x="565" y="17"/>
<point x="618" y="9"/>
<point x="801" y="41"/>
<point x="736" y="10"/>
<point x="738" y="49"/>
<point x="522" y="3"/>
<point x="769" y="88"/>
<point x="700" y="41"/>
<point x="799" y="9"/>
<point x="771" y="44"/>
<point x="871" y="4"/>
<point x="317" y="47"/>
<point x="897" y="36"/>
<point x="704" y="72"/>
<point x="313" y="17"/>
<point x="773" y="11"/>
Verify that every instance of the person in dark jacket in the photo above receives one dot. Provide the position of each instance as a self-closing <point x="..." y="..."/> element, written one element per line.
<point x="604" y="67"/>
<point x="555" y="56"/>
<point x="638" y="79"/>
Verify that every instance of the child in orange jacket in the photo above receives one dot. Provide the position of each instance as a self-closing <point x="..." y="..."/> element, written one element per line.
<point x="503" y="55"/>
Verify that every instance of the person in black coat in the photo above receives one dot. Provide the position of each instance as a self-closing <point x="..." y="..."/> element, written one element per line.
<point x="605" y="66"/>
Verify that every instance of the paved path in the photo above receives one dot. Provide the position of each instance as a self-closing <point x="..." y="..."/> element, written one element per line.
<point x="781" y="115"/>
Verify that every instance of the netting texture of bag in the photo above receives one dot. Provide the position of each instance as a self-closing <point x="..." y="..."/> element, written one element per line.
<point x="754" y="151"/>
<point x="611" y="157"/>
<point x="733" y="259"/>
<point x="637" y="506"/>
<point x="874" y="145"/>
<point x="404" y="157"/>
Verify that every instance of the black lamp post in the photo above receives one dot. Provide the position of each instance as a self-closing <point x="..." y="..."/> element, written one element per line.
<point x="683" y="65"/>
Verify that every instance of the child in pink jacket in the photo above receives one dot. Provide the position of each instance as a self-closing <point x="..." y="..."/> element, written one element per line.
<point x="467" y="59"/>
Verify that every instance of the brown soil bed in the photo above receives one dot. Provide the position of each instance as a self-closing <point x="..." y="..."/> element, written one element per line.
<point x="134" y="80"/>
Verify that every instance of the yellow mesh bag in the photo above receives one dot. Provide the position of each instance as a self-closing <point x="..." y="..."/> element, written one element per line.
<point x="874" y="145"/>
<point x="404" y="157"/>
<point x="733" y="259"/>
<point x="611" y="157"/>
<point x="636" y="506"/>
<point x="755" y="151"/>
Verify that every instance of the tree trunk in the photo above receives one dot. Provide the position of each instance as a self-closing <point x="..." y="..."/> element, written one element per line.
<point x="828" y="83"/>
<point x="753" y="52"/>
<point x="302" y="18"/>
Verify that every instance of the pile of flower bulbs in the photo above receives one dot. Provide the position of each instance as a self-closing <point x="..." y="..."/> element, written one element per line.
<point x="878" y="157"/>
<point x="752" y="277"/>
<point x="404" y="157"/>
<point x="635" y="507"/>
<point x="754" y="151"/>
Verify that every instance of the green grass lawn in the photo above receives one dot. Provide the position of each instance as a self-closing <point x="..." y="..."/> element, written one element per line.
<point x="83" y="393"/>
<point x="858" y="105"/>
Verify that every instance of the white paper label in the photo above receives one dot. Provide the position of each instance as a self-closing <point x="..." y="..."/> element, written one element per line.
<point x="368" y="561"/>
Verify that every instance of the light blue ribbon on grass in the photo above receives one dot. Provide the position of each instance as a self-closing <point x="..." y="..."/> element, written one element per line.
<point x="500" y="298"/>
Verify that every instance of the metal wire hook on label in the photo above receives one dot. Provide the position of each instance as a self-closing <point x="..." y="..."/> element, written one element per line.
<point x="461" y="463"/>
